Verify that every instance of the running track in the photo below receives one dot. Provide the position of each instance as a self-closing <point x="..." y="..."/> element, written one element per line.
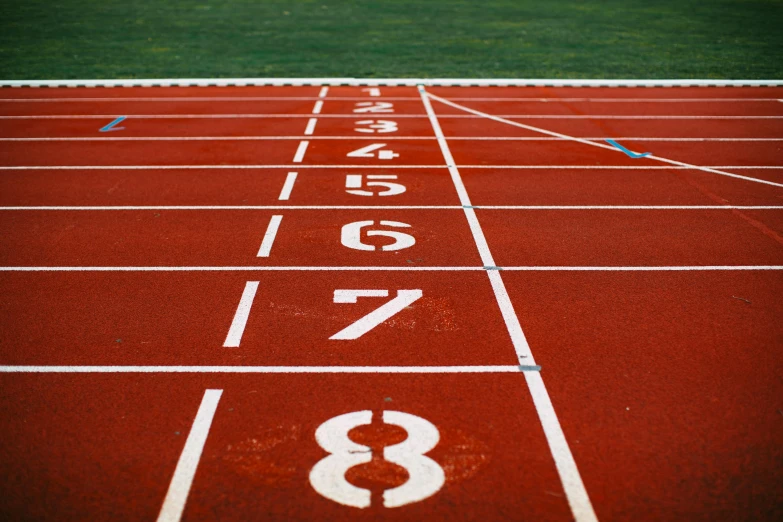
<point x="547" y="328"/>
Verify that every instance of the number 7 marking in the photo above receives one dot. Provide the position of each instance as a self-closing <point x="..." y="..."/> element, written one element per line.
<point x="368" y="322"/>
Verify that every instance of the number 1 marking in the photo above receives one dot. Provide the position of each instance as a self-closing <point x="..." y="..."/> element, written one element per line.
<point x="368" y="322"/>
<point x="372" y="91"/>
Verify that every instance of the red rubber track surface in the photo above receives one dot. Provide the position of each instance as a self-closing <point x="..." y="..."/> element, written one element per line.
<point x="649" y="294"/>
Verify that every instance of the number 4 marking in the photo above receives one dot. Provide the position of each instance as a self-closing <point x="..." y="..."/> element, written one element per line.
<point x="367" y="152"/>
<point x="368" y="322"/>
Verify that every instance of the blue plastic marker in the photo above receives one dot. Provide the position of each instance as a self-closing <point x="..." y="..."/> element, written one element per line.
<point x="111" y="126"/>
<point x="630" y="153"/>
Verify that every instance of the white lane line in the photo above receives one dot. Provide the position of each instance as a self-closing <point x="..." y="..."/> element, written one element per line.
<point x="234" y="336"/>
<point x="574" y="488"/>
<point x="581" y="507"/>
<point x="310" y="126"/>
<point x="597" y="144"/>
<point x="318" y="106"/>
<point x="289" y="182"/>
<point x="396" y="116"/>
<point x="323" y="92"/>
<point x="389" y="98"/>
<point x="672" y="268"/>
<point x="288" y="186"/>
<point x="269" y="236"/>
<point x="265" y="369"/>
<point x="417" y="138"/>
<point x="300" y="151"/>
<point x="290" y="166"/>
<point x="177" y="495"/>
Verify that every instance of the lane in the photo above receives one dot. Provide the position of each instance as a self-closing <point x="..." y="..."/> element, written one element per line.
<point x="634" y="107"/>
<point x="233" y="237"/>
<point x="222" y="105"/>
<point x="610" y="92"/>
<point x="617" y="187"/>
<point x="185" y="127"/>
<point x="201" y="92"/>
<point x="571" y="153"/>
<point x="599" y="128"/>
<point x="319" y="152"/>
<point x="223" y="187"/>
<point x="97" y="447"/>
<point x="184" y="319"/>
<point x="628" y="238"/>
<point x="668" y="384"/>
<point x="112" y="446"/>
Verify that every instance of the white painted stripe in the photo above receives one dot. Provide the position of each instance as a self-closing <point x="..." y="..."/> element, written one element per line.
<point x="310" y="126"/>
<point x="396" y="116"/>
<point x="179" y="99"/>
<point x="261" y="369"/>
<point x="575" y="491"/>
<point x="269" y="236"/>
<point x="364" y="167"/>
<point x="288" y="186"/>
<point x="290" y="180"/>
<point x="300" y="151"/>
<point x="612" y="100"/>
<point x="380" y="82"/>
<point x="375" y="138"/>
<point x="177" y="495"/>
<point x="323" y="92"/>
<point x="599" y="145"/>
<point x="317" y="107"/>
<point x="683" y="268"/>
<point x="237" y="328"/>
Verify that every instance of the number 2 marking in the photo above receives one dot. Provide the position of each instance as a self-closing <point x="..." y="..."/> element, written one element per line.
<point x="373" y="107"/>
<point x="425" y="476"/>
<point x="363" y="325"/>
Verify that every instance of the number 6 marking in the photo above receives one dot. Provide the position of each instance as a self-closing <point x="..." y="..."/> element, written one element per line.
<point x="425" y="476"/>
<point x="368" y="322"/>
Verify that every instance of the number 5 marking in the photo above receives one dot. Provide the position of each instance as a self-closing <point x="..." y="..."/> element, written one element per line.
<point x="425" y="476"/>
<point x="368" y="322"/>
<point x="353" y="185"/>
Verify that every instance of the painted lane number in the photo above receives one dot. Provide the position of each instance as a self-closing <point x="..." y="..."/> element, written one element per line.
<point x="387" y="310"/>
<point x="373" y="126"/>
<point x="425" y="476"/>
<point x="350" y="236"/>
<point x="374" y="107"/>
<point x="353" y="185"/>
<point x="369" y="152"/>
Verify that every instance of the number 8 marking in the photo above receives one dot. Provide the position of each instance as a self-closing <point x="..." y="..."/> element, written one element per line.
<point x="426" y="476"/>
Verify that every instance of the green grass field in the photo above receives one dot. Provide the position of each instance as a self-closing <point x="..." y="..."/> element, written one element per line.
<point x="63" y="39"/>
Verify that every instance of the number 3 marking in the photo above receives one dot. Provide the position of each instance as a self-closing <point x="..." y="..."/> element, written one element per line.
<point x="425" y="476"/>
